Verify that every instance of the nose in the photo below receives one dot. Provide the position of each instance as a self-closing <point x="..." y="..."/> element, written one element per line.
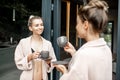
<point x="41" y="27"/>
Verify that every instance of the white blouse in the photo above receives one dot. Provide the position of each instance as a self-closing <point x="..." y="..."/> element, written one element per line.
<point x="93" y="61"/>
<point x="20" y="57"/>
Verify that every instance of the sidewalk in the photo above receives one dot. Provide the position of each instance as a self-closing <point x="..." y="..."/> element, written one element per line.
<point x="10" y="75"/>
<point x="14" y="74"/>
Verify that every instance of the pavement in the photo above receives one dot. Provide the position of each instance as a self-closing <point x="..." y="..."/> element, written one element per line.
<point x="12" y="74"/>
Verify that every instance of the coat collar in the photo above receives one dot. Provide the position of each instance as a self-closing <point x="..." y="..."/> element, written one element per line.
<point x="28" y="39"/>
<point x="95" y="43"/>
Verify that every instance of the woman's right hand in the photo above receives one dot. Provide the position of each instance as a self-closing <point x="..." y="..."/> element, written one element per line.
<point x="33" y="56"/>
<point x="70" y="48"/>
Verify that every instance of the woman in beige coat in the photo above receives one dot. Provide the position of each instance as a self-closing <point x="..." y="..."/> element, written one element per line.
<point x="33" y="67"/>
<point x="93" y="61"/>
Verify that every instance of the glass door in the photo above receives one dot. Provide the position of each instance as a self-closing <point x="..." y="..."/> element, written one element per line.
<point x="68" y="24"/>
<point x="108" y="34"/>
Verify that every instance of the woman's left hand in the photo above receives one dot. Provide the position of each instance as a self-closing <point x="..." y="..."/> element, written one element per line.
<point x="61" y="68"/>
<point x="48" y="61"/>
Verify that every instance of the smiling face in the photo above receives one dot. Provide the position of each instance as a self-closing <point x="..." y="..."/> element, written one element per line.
<point x="37" y="26"/>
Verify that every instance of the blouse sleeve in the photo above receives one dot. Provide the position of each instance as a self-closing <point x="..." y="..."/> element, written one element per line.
<point x="20" y="58"/>
<point x="52" y="54"/>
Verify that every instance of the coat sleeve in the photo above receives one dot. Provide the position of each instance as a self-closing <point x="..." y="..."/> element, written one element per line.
<point x="78" y="70"/>
<point x="52" y="54"/>
<point x="21" y="59"/>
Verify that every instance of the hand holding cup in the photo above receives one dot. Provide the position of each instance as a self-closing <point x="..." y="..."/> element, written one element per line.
<point x="70" y="48"/>
<point x="62" y="41"/>
<point x="44" y="54"/>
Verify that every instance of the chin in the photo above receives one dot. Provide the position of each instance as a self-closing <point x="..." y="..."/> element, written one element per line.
<point x="78" y="36"/>
<point x="40" y="33"/>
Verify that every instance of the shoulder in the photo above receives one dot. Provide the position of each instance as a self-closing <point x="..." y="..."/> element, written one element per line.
<point x="85" y="53"/>
<point x="25" y="40"/>
<point x="46" y="41"/>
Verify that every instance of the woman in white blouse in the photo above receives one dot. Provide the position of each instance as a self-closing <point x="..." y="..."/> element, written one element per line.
<point x="28" y="50"/>
<point x="93" y="61"/>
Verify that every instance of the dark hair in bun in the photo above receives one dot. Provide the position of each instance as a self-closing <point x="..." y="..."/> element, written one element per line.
<point x="96" y="13"/>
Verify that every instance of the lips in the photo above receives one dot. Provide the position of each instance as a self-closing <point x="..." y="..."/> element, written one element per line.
<point x="40" y="31"/>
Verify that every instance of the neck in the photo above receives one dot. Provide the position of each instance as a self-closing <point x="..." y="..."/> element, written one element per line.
<point x="36" y="37"/>
<point x="93" y="37"/>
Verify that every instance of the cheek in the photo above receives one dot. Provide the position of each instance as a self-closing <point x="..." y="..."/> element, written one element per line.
<point x="77" y="28"/>
<point x="43" y="27"/>
<point x="80" y="31"/>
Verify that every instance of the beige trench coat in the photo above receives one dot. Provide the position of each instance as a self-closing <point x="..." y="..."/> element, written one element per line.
<point x="20" y="57"/>
<point x="93" y="61"/>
